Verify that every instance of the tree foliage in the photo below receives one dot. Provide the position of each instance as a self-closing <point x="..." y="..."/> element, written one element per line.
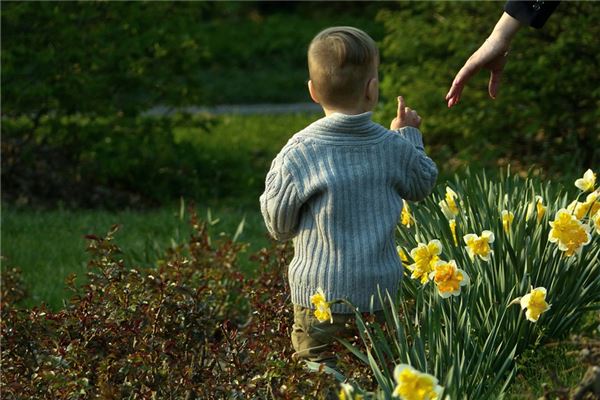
<point x="103" y="57"/>
<point x="99" y="58"/>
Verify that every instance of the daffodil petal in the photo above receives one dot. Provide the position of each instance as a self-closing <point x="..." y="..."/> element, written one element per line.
<point x="435" y="246"/>
<point x="525" y="301"/>
<point x="469" y="237"/>
<point x="489" y="235"/>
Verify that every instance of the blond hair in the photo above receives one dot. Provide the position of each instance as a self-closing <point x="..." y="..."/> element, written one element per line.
<point x="341" y="60"/>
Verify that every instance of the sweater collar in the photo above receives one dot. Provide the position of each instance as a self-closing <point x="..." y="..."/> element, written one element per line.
<point x="338" y="126"/>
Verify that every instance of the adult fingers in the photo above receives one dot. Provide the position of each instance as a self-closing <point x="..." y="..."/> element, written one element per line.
<point x="496" y="74"/>
<point x="460" y="80"/>
<point x="494" y="84"/>
<point x="455" y="90"/>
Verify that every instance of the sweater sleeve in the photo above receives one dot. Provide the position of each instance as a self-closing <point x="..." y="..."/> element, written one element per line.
<point x="419" y="172"/>
<point x="532" y="13"/>
<point x="280" y="203"/>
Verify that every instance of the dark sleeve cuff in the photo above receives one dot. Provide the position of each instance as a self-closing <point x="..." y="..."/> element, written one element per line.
<point x="534" y="13"/>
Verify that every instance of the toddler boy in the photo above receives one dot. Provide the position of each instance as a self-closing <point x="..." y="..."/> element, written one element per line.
<point x="336" y="189"/>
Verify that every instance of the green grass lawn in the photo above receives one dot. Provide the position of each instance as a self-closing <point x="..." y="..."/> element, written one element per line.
<point x="555" y="365"/>
<point x="50" y="245"/>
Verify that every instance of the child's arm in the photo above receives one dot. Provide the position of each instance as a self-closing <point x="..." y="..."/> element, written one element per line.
<point x="419" y="172"/>
<point x="280" y="203"/>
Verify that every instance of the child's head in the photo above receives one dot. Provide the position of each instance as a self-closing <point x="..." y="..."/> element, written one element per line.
<point x="342" y="64"/>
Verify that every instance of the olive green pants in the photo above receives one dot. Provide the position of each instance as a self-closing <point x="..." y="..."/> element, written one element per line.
<point x="313" y="339"/>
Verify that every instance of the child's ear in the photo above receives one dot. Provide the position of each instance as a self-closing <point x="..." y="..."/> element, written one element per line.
<point x="313" y="92"/>
<point x="372" y="92"/>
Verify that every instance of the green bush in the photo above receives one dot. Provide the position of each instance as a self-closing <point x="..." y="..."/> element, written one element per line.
<point x="548" y="107"/>
<point x="107" y="161"/>
<point x="119" y="161"/>
<point x="193" y="328"/>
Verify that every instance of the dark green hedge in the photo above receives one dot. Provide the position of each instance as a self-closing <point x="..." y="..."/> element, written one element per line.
<point x="103" y="161"/>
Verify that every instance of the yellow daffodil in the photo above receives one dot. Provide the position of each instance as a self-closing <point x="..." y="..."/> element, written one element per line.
<point x="593" y="201"/>
<point x="448" y="205"/>
<point x="322" y="310"/>
<point x="402" y="254"/>
<point x="480" y="245"/>
<point x="568" y="232"/>
<point x="507" y="219"/>
<point x="590" y="206"/>
<point x="407" y="219"/>
<point x="587" y="183"/>
<point x="347" y="393"/>
<point x="452" y="224"/>
<point x="578" y="209"/>
<point x="425" y="256"/>
<point x="414" y="385"/>
<point x="596" y="220"/>
<point x="448" y="278"/>
<point x="538" y="204"/>
<point x="535" y="303"/>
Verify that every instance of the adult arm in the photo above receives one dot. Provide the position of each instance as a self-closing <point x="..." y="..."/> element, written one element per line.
<point x="492" y="54"/>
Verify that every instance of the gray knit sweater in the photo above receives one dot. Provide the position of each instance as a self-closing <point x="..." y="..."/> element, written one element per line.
<point x="336" y="189"/>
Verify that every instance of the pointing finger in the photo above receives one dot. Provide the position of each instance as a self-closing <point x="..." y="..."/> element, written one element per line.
<point x="401" y="108"/>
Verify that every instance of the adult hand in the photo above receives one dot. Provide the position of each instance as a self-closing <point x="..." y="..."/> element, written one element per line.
<point x="492" y="55"/>
<point x="405" y="116"/>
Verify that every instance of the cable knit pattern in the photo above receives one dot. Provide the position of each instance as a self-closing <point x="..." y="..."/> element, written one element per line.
<point x="336" y="189"/>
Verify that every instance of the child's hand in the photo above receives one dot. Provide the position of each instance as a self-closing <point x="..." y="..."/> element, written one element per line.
<point x="406" y="116"/>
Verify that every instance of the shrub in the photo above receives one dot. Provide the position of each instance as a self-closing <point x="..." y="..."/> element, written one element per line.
<point x="104" y="58"/>
<point x="77" y="77"/>
<point x="99" y="59"/>
<point x="12" y="287"/>
<point x="99" y="161"/>
<point x="192" y="328"/>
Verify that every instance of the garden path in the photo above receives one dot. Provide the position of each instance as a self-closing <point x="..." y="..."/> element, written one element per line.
<point x="245" y="109"/>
